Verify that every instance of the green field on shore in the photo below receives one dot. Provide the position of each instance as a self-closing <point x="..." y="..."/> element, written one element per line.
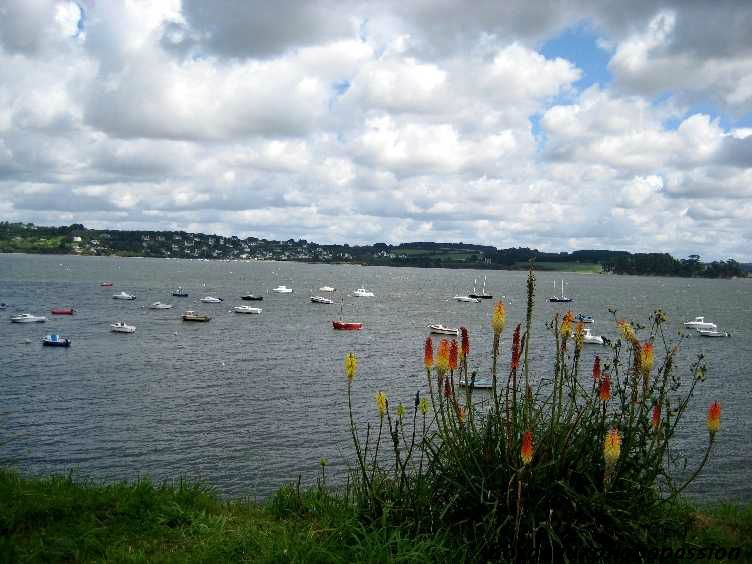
<point x="59" y="520"/>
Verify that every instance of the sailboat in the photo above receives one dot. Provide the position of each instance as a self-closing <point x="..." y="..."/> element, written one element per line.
<point x="482" y="295"/>
<point x="562" y="297"/>
<point x="346" y="325"/>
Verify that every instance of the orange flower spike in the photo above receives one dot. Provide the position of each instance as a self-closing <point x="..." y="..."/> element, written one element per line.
<point x="461" y="414"/>
<point x="714" y="418"/>
<point x="442" y="360"/>
<point x="597" y="369"/>
<point x="465" y="350"/>
<point x="453" y="353"/>
<point x="566" y="326"/>
<point x="656" y="419"/>
<point x="626" y="330"/>
<point x="612" y="447"/>
<point x="604" y="390"/>
<point x="646" y="358"/>
<point x="526" y="451"/>
<point x="499" y="318"/>
<point x="579" y="336"/>
<point x="428" y="353"/>
<point x="516" y="348"/>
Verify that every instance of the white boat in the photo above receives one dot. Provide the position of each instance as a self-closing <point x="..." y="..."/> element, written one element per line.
<point x="592" y="339"/>
<point x="582" y="318"/>
<point x="321" y="300"/>
<point x="439" y="329"/>
<point x="327" y="289"/>
<point x="160" y="305"/>
<point x="246" y="309"/>
<point x="28" y="318"/>
<point x="466" y="299"/>
<point x="362" y="293"/>
<point x="712" y="333"/>
<point x="477" y="385"/>
<point x="282" y="290"/>
<point x="700" y="323"/>
<point x="211" y="300"/>
<point x="122" y="327"/>
<point x="123" y="296"/>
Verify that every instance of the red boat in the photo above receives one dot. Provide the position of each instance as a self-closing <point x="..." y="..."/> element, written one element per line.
<point x="106" y="284"/>
<point x="347" y="325"/>
<point x="63" y="311"/>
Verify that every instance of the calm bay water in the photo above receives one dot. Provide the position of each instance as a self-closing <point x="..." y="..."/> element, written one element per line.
<point x="248" y="403"/>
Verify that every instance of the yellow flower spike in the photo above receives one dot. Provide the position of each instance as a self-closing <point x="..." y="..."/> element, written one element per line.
<point x="579" y="336"/>
<point x="351" y="366"/>
<point x="400" y="411"/>
<point x="499" y="318"/>
<point x="612" y="447"/>
<point x="646" y="358"/>
<point x="566" y="326"/>
<point x="526" y="451"/>
<point x="423" y="406"/>
<point x="626" y="330"/>
<point x="442" y="360"/>
<point x="381" y="403"/>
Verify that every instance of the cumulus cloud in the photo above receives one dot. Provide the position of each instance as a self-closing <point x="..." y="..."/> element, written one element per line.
<point x="395" y="121"/>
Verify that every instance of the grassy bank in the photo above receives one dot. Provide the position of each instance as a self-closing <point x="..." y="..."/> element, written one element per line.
<point x="56" y="519"/>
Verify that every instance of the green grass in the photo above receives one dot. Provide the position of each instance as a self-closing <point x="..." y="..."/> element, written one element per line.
<point x="57" y="519"/>
<point x="564" y="266"/>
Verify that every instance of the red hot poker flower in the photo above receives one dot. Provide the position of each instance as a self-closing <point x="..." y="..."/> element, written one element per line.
<point x="516" y="348"/>
<point x="604" y="390"/>
<point x="465" y="342"/>
<point x="597" y="369"/>
<point x="526" y="451"/>
<point x="714" y="418"/>
<point x="428" y="353"/>
<point x="656" y="419"/>
<point x="453" y="352"/>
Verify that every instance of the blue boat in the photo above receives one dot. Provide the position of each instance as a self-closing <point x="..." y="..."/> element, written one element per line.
<point x="55" y="341"/>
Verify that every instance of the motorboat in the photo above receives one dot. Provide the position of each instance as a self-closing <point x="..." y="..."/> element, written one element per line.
<point x="321" y="300"/>
<point x="28" y="318"/>
<point x="562" y="298"/>
<point x="246" y="309"/>
<point x="439" y="329"/>
<point x="582" y="318"/>
<point x="713" y="333"/>
<point x="347" y="325"/>
<point x="327" y="289"/>
<point x="252" y="298"/>
<point x="477" y="385"/>
<point x="160" y="305"/>
<point x="211" y="300"/>
<point x="468" y="299"/>
<point x="700" y="323"/>
<point x="362" y="293"/>
<point x="122" y="327"/>
<point x="483" y="295"/>
<point x="106" y="284"/>
<point x="592" y="339"/>
<point x="191" y="315"/>
<point x="123" y="296"/>
<point x="62" y="311"/>
<point x="180" y="293"/>
<point x="282" y="290"/>
<point x="55" y="341"/>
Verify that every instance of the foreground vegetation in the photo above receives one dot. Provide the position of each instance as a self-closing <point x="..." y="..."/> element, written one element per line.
<point x="56" y="519"/>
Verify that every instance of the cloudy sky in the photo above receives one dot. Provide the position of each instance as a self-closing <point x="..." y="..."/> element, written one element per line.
<point x="550" y="124"/>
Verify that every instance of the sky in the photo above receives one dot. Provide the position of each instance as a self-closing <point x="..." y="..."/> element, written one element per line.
<point x="549" y="124"/>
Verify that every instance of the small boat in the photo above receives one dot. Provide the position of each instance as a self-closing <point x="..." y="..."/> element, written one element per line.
<point x="191" y="315"/>
<point x="347" y="325"/>
<point x="55" y="341"/>
<point x="160" y="305"/>
<point x="582" y="318"/>
<point x="477" y="385"/>
<point x="592" y="339"/>
<point x="211" y="300"/>
<point x="439" y="329"/>
<point x="282" y="290"/>
<point x="321" y="300"/>
<point x="3" y="305"/>
<point x="122" y="327"/>
<point x="123" y="296"/>
<point x="62" y="311"/>
<point x="362" y="293"/>
<point x="562" y="298"/>
<point x="713" y="333"/>
<point x="28" y="318"/>
<point x="252" y="298"/>
<point x="483" y="295"/>
<point x="180" y="293"/>
<point x="327" y="289"/>
<point x="106" y="284"/>
<point x="246" y="309"/>
<point x="700" y="323"/>
<point x="468" y="299"/>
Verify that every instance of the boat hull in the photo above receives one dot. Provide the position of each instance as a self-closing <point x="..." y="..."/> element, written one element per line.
<point x="256" y="310"/>
<point x="320" y="300"/>
<point x="481" y="296"/>
<point x="441" y="330"/>
<point x="197" y="319"/>
<point x="347" y="326"/>
<point x="28" y="320"/>
<point x="252" y="298"/>
<point x="58" y="343"/>
<point x="123" y="329"/>
<point x="560" y="300"/>
<point x="62" y="311"/>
